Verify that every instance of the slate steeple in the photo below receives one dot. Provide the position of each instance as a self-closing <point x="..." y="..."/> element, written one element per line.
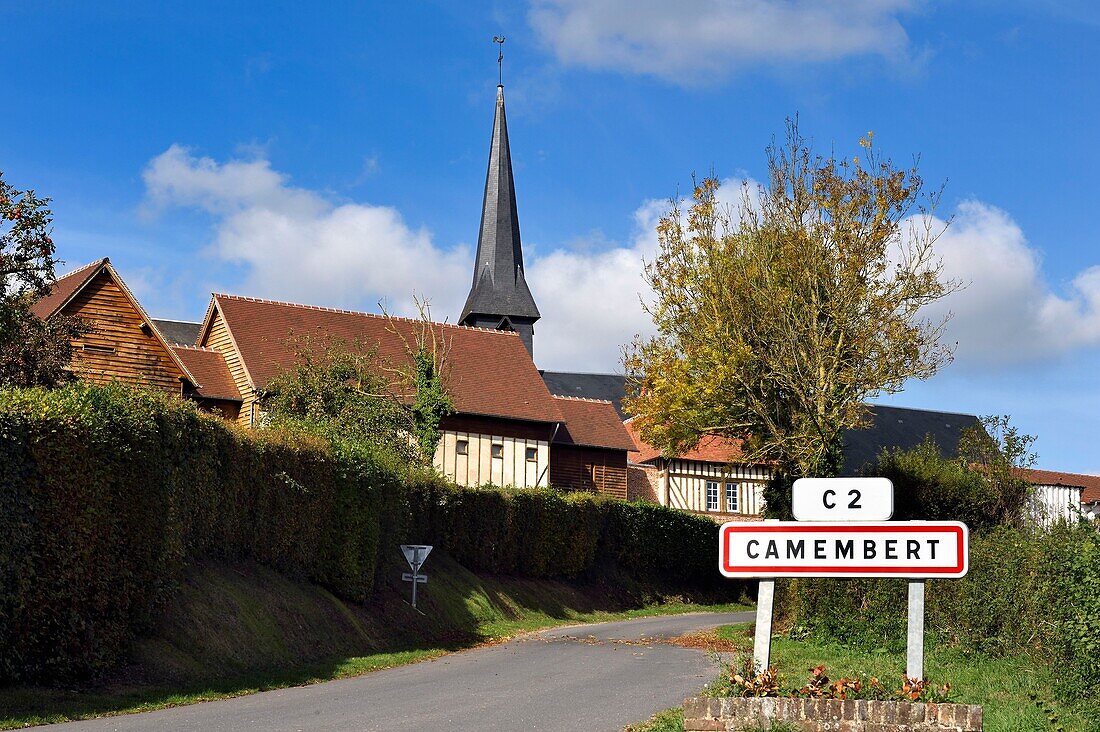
<point x="499" y="297"/>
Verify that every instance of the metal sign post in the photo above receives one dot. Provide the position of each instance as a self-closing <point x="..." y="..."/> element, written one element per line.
<point x="415" y="555"/>
<point x="914" y="638"/>
<point x="765" y="611"/>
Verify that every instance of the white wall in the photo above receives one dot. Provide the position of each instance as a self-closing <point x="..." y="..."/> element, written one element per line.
<point x="1053" y="503"/>
<point x="478" y="466"/>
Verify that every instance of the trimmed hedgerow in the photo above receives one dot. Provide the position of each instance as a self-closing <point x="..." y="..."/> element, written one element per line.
<point x="544" y="533"/>
<point x="108" y="493"/>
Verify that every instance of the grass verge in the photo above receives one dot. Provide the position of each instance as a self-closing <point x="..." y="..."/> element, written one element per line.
<point x="1003" y="686"/>
<point x="261" y="630"/>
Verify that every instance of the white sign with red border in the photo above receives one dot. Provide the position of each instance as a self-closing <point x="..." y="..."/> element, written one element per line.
<point x="912" y="549"/>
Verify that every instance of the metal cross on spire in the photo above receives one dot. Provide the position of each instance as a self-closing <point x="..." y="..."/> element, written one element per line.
<point x="499" y="40"/>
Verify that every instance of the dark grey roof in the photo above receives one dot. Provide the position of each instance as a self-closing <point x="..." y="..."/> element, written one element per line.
<point x="904" y="428"/>
<point x="180" y="332"/>
<point x="891" y="427"/>
<point x="499" y="287"/>
<point x="611" y="387"/>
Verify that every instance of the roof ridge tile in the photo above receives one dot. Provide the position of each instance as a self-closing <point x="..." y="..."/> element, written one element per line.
<point x="99" y="262"/>
<point x="582" y="399"/>
<point x="344" y="311"/>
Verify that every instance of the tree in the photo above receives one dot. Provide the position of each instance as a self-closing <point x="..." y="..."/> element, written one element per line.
<point x="346" y="391"/>
<point x="425" y="372"/>
<point x="776" y="322"/>
<point x="33" y="352"/>
<point x="338" y="389"/>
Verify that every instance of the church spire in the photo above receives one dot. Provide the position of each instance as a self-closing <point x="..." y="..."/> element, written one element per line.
<point x="499" y="297"/>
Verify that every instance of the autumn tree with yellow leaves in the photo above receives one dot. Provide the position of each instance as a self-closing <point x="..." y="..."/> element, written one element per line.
<point x="777" y="319"/>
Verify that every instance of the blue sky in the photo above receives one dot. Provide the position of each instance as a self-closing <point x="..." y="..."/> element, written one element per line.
<point x="335" y="155"/>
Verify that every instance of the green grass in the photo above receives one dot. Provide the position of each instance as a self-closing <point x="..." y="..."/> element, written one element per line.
<point x="1000" y="685"/>
<point x="670" y="720"/>
<point x="235" y="630"/>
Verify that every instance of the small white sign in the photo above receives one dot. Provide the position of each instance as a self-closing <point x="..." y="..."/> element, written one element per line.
<point x="914" y="549"/>
<point x="842" y="499"/>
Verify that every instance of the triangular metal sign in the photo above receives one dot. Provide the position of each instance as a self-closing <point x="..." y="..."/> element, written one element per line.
<point x="416" y="554"/>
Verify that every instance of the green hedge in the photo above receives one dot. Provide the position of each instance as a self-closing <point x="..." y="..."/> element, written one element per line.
<point x="107" y="493"/>
<point x="543" y="533"/>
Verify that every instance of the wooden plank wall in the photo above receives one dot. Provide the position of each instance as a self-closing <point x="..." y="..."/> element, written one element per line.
<point x="118" y="349"/>
<point x="589" y="469"/>
<point x="220" y="340"/>
<point x="479" y="467"/>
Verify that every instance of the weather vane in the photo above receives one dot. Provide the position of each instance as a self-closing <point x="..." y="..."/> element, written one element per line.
<point x="499" y="40"/>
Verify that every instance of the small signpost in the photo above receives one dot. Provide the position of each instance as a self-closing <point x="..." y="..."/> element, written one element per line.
<point x="415" y="555"/>
<point x="842" y="530"/>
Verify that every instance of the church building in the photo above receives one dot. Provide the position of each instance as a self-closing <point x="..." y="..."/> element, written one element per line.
<point x="508" y="429"/>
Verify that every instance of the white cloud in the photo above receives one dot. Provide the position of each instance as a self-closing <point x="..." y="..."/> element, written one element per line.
<point x="297" y="245"/>
<point x="1007" y="314"/>
<point x="688" y="39"/>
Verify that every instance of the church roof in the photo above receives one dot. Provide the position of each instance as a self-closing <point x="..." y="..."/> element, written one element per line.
<point x="499" y="287"/>
<point x="490" y="372"/>
<point x="609" y="387"/>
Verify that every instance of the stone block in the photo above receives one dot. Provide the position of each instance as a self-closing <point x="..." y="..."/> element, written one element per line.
<point x="974" y="718"/>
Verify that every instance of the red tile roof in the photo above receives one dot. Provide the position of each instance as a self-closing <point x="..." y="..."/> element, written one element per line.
<point x="1089" y="484"/>
<point x="65" y="288"/>
<point x="209" y="368"/>
<point x="592" y="422"/>
<point x="490" y="372"/>
<point x="711" y="449"/>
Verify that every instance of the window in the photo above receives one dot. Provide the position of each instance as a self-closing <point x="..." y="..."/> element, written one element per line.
<point x="712" y="495"/>
<point x="462" y="447"/>
<point x="731" y="498"/>
<point x="98" y="349"/>
<point x="497" y="450"/>
<point x="532" y="454"/>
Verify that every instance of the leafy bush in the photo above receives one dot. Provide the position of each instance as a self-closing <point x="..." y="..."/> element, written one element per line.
<point x="930" y="487"/>
<point x="1033" y="593"/>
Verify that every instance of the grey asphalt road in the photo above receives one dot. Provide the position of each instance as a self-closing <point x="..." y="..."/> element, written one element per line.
<point x="575" y="679"/>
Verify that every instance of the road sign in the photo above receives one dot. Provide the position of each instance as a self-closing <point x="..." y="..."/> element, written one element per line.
<point x="415" y="555"/>
<point x="914" y="549"/>
<point x="842" y="499"/>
